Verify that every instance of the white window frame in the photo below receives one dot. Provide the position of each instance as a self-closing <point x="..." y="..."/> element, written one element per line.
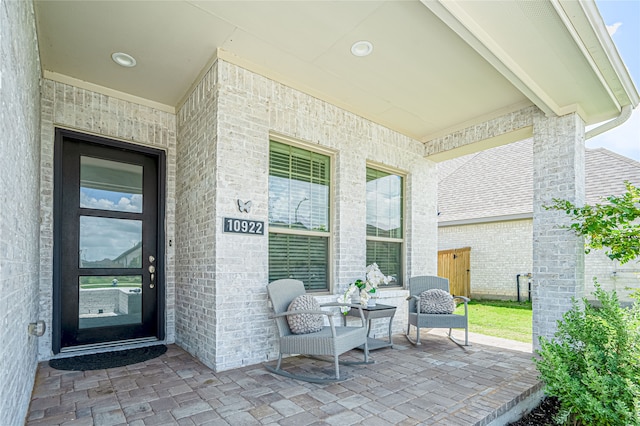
<point x="402" y="240"/>
<point x="285" y="140"/>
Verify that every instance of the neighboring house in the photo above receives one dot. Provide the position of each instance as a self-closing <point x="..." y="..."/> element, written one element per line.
<point x="242" y="142"/>
<point x="485" y="202"/>
<point x="131" y="257"/>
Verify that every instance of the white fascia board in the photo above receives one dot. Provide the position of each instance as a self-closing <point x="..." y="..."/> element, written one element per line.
<point x="584" y="22"/>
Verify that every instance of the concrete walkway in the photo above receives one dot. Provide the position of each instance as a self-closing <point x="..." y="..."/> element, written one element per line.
<point x="437" y="383"/>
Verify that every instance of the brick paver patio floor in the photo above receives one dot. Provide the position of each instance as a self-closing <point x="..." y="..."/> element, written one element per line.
<point x="437" y="383"/>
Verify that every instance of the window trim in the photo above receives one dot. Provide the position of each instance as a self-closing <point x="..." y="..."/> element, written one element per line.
<point x="403" y="241"/>
<point x="278" y="230"/>
<point x="318" y="149"/>
<point x="309" y="146"/>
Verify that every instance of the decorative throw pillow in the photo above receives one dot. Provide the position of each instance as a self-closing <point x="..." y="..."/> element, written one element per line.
<point x="304" y="323"/>
<point x="436" y="301"/>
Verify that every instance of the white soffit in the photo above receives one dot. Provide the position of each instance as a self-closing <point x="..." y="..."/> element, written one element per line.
<point x="420" y="79"/>
<point x="546" y="61"/>
<point x="171" y="40"/>
<point x="436" y="66"/>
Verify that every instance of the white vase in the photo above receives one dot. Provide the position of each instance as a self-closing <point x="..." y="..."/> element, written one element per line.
<point x="371" y="302"/>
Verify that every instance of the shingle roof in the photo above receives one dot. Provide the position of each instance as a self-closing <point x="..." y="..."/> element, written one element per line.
<point x="606" y="173"/>
<point x="499" y="182"/>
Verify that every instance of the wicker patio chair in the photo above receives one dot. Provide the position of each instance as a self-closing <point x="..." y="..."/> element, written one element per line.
<point x="420" y="320"/>
<point x="329" y="341"/>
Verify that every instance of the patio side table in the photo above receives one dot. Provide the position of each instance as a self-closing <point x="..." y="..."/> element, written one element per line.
<point x="371" y="313"/>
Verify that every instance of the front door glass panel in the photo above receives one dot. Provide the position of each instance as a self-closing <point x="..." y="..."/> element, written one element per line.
<point x="110" y="243"/>
<point x="110" y="185"/>
<point x="105" y="301"/>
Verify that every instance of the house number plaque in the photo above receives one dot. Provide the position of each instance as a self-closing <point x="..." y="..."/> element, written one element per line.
<point x="243" y="226"/>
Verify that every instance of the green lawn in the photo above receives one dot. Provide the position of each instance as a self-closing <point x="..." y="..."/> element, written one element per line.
<point x="92" y="282"/>
<point x="109" y="285"/>
<point x="509" y="320"/>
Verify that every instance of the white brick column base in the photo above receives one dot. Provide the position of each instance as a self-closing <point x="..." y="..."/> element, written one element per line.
<point x="558" y="254"/>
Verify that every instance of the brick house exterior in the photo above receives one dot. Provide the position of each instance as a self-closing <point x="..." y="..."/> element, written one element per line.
<point x="485" y="202"/>
<point x="217" y="144"/>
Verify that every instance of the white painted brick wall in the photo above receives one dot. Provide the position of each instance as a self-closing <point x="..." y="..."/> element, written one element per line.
<point x="82" y="110"/>
<point x="20" y="213"/>
<point x="196" y="321"/>
<point x="611" y="275"/>
<point x="558" y="254"/>
<point x="246" y="107"/>
<point x="558" y="153"/>
<point x="503" y="125"/>
<point x="499" y="251"/>
<point x="496" y="260"/>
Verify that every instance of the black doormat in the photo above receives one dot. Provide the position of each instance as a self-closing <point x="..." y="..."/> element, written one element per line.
<point x="108" y="359"/>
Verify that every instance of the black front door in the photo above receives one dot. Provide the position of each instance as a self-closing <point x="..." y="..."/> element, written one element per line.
<point x="108" y="257"/>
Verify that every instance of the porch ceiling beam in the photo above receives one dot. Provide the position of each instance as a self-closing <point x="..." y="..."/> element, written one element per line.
<point x="499" y="131"/>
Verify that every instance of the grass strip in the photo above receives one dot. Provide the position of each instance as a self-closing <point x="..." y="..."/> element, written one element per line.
<point x="498" y="318"/>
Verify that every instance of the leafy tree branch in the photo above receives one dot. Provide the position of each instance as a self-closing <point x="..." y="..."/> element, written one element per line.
<point x="613" y="226"/>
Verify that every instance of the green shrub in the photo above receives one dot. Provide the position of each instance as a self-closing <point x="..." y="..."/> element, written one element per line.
<point x="593" y="364"/>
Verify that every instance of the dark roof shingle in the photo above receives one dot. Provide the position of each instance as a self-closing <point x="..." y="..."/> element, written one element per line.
<point x="499" y="181"/>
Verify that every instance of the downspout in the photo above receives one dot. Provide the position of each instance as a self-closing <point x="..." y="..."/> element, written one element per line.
<point x="625" y="113"/>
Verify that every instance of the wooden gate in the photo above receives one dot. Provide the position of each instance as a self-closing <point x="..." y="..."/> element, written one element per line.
<point x="455" y="265"/>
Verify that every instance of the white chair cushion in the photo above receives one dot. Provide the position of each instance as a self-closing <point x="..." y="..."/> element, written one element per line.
<point x="436" y="301"/>
<point x="304" y="323"/>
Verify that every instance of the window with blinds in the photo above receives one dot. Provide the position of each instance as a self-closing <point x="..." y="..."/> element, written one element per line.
<point x="299" y="192"/>
<point x="385" y="229"/>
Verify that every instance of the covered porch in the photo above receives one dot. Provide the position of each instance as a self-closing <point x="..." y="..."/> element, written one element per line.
<point x="437" y="383"/>
<point x="218" y="88"/>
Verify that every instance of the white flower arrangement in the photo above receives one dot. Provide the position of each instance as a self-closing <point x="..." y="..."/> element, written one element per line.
<point x="367" y="288"/>
<point x="346" y="298"/>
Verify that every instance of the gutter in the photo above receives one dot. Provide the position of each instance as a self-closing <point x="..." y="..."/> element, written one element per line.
<point x="627" y="87"/>
<point x="625" y="113"/>
<point x="583" y="20"/>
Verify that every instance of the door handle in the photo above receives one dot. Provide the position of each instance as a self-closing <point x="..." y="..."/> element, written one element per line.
<point x="152" y="270"/>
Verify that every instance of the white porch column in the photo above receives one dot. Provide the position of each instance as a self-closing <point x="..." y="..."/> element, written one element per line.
<point x="558" y="254"/>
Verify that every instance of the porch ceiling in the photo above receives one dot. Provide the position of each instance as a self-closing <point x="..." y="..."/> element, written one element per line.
<point x="435" y="67"/>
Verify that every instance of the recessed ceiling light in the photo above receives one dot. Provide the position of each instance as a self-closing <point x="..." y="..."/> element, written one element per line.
<point x="123" y="59"/>
<point x="362" y="48"/>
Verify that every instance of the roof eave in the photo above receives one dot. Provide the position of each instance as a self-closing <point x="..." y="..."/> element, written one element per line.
<point x="591" y="35"/>
<point x="583" y="22"/>
<point x="454" y="15"/>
